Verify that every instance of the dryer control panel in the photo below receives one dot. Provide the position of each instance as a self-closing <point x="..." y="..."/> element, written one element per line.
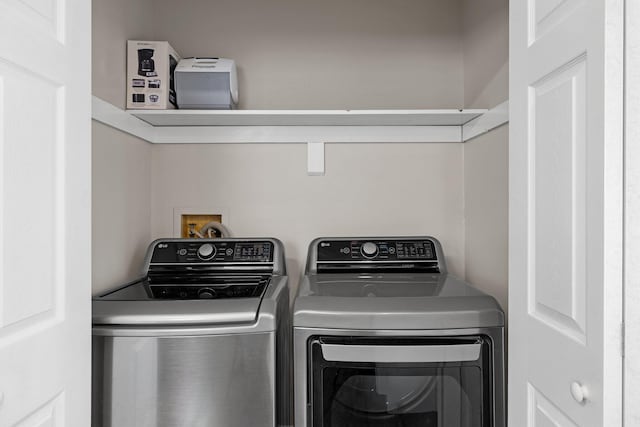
<point x="376" y="255"/>
<point x="376" y="250"/>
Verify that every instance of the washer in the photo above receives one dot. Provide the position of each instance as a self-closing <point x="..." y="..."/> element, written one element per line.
<point x="203" y="339"/>
<point x="383" y="336"/>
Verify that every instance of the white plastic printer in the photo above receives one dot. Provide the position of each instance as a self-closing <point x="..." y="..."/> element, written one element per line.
<point x="206" y="83"/>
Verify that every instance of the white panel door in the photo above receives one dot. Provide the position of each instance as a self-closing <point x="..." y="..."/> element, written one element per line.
<point x="566" y="213"/>
<point x="45" y="195"/>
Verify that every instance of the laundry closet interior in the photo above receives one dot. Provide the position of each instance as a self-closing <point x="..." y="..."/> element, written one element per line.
<point x="399" y="57"/>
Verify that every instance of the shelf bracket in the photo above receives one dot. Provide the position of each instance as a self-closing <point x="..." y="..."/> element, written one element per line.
<point x="497" y="116"/>
<point x="315" y="158"/>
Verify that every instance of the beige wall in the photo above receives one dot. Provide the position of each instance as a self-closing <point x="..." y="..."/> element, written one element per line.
<point x="298" y="53"/>
<point x="327" y="54"/>
<point x="486" y="189"/>
<point x="358" y="54"/>
<point x="485" y="30"/>
<point x="486" y="195"/>
<point x="121" y="163"/>
<point x="113" y="23"/>
<point x="368" y="189"/>
<point x="121" y="206"/>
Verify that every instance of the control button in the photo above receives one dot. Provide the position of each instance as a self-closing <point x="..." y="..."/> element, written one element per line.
<point x="369" y="249"/>
<point x="346" y="250"/>
<point x="206" y="251"/>
<point x="229" y="251"/>
<point x="206" y="293"/>
<point x="392" y="250"/>
<point x="182" y="252"/>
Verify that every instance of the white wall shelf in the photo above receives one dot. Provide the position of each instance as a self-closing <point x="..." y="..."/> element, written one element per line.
<point x="306" y="117"/>
<point x="312" y="127"/>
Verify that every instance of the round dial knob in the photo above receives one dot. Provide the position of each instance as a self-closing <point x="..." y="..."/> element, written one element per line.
<point x="369" y="250"/>
<point x="206" y="293"/>
<point x="207" y="251"/>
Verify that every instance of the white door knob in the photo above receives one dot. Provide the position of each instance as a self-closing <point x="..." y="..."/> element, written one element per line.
<point x="579" y="392"/>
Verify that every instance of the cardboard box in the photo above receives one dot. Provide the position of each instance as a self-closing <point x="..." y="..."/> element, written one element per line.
<point x="150" y="83"/>
<point x="207" y="83"/>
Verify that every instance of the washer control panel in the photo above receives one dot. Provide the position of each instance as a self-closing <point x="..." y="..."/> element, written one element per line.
<point x="211" y="251"/>
<point x="376" y="250"/>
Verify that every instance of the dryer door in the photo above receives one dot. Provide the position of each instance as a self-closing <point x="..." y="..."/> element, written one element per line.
<point x="401" y="381"/>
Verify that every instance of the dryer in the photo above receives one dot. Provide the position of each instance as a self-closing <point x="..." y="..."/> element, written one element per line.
<point x="202" y="339"/>
<point x="384" y="336"/>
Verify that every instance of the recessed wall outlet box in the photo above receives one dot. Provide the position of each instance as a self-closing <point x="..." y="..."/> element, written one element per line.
<point x="150" y="75"/>
<point x="198" y="216"/>
<point x="191" y="224"/>
<point x="207" y="83"/>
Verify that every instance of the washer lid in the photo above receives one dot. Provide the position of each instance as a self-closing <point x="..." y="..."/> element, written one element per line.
<point x="135" y="305"/>
<point x="393" y="301"/>
<point x="175" y="312"/>
<point x="188" y="288"/>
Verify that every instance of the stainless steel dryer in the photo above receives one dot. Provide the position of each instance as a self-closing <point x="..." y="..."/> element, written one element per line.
<point x="383" y="336"/>
<point x="201" y="340"/>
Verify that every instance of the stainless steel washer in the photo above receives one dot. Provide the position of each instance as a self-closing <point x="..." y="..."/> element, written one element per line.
<point x="201" y="340"/>
<point x="383" y="336"/>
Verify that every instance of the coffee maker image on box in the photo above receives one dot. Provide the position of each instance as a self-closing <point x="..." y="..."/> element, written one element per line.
<point x="150" y="67"/>
<point x="146" y="65"/>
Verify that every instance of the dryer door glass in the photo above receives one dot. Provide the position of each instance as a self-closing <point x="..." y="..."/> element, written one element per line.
<point x="401" y="382"/>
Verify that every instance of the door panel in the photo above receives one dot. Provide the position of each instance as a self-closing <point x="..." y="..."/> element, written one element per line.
<point x="51" y="414"/>
<point x="45" y="182"/>
<point x="547" y="14"/>
<point x="32" y="167"/>
<point x="543" y="413"/>
<point x="42" y="16"/>
<point x="565" y="178"/>
<point x="557" y="206"/>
